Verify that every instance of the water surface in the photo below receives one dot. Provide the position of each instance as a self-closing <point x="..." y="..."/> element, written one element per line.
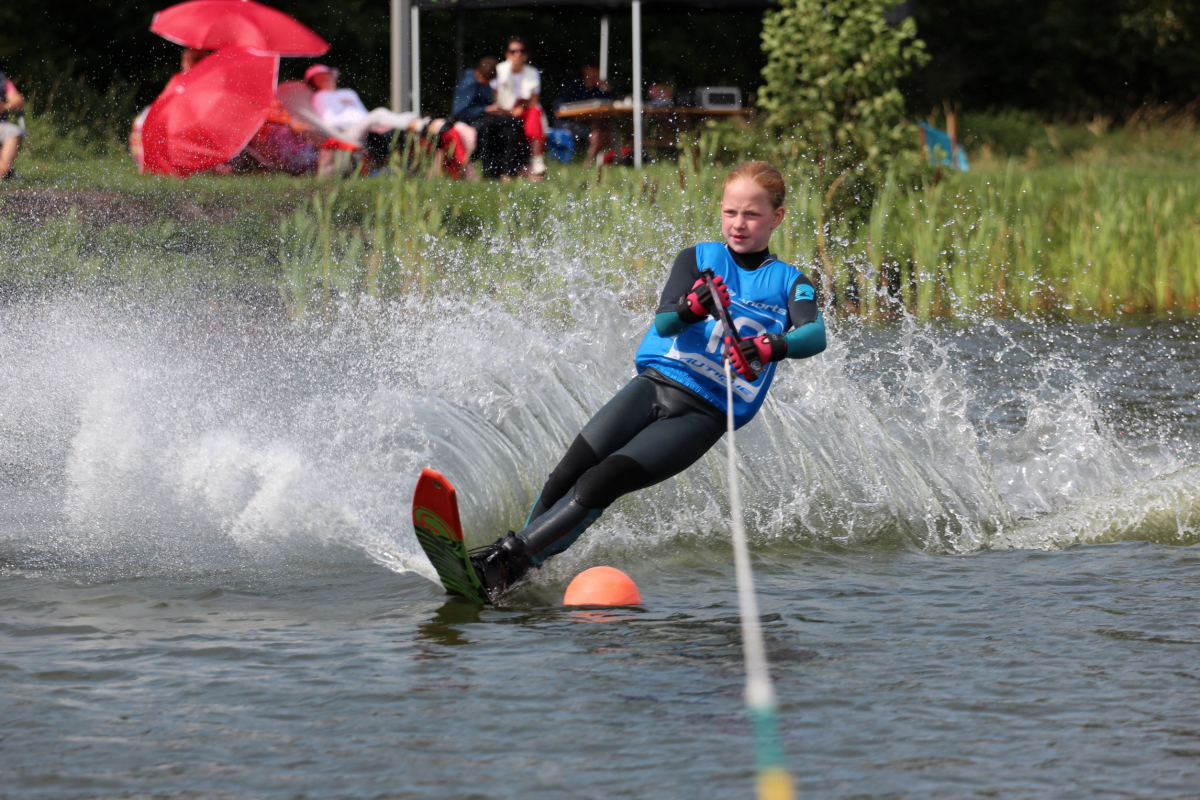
<point x="973" y="545"/>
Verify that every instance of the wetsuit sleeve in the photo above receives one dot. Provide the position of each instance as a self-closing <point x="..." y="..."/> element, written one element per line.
<point x="807" y="340"/>
<point x="807" y="337"/>
<point x="670" y="319"/>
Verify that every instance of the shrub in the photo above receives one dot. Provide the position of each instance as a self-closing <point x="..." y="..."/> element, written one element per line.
<point x="832" y="91"/>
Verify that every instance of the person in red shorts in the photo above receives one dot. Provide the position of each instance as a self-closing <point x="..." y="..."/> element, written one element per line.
<point x="518" y="89"/>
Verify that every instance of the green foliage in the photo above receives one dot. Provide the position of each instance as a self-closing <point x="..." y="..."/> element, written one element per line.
<point x="1072" y="58"/>
<point x="1084" y="241"/>
<point x="832" y="84"/>
<point x="724" y="142"/>
<point x="1156" y="138"/>
<point x="70" y="119"/>
<point x="833" y="94"/>
<point x="1008" y="132"/>
<point x="1023" y="134"/>
<point x="98" y="121"/>
<point x="1087" y="237"/>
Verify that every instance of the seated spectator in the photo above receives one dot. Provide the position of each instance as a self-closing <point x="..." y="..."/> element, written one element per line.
<point x="473" y="97"/>
<point x="284" y="144"/>
<point x="450" y="147"/>
<point x="518" y="89"/>
<point x="588" y="87"/>
<point x="11" y="131"/>
<point x="343" y="110"/>
<point x="498" y="134"/>
<point x="340" y="113"/>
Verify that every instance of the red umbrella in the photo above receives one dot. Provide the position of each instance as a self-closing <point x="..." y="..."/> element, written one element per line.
<point x="217" y="24"/>
<point x="209" y="113"/>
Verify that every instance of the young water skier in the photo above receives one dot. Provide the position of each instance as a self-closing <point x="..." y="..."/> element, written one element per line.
<point x="674" y="410"/>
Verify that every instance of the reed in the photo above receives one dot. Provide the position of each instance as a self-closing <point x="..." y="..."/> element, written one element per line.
<point x="1083" y="240"/>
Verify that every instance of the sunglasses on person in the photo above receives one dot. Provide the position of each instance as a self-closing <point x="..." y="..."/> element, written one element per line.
<point x="516" y="49"/>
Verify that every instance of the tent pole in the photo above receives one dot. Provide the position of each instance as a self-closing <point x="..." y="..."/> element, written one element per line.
<point x="604" y="47"/>
<point x="416" y="60"/>
<point x="637" y="84"/>
<point x="396" y="68"/>
<point x="401" y="18"/>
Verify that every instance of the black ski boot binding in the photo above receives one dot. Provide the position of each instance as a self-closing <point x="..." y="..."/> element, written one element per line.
<point x="500" y="565"/>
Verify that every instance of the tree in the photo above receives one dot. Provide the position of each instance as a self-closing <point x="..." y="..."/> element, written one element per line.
<point x="1067" y="58"/>
<point x="832" y="92"/>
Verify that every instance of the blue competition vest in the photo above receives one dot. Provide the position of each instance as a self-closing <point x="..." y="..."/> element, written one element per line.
<point x="693" y="358"/>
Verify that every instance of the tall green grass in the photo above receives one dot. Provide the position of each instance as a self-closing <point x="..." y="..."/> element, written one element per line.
<point x="416" y="234"/>
<point x="1080" y="240"/>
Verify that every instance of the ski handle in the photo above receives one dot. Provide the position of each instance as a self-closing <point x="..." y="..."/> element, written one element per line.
<point x="730" y="328"/>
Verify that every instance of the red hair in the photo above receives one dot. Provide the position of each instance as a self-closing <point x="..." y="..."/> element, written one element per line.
<point x="766" y="176"/>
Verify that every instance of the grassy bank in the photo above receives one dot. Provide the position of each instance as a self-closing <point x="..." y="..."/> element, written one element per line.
<point x="1103" y="230"/>
<point x="1082" y="240"/>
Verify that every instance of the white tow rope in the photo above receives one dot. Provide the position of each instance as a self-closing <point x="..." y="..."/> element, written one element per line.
<point x="774" y="781"/>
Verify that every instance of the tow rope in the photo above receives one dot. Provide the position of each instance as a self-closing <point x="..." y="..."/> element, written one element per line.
<point x="774" y="781"/>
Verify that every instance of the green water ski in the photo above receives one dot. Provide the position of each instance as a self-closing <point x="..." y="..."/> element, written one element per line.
<point x="439" y="531"/>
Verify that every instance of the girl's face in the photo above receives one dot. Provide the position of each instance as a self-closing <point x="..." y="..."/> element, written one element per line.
<point x="747" y="217"/>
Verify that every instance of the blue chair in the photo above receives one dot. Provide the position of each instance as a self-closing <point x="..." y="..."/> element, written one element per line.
<point x="942" y="151"/>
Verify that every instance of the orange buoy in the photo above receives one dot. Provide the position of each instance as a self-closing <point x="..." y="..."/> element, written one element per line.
<point x="602" y="586"/>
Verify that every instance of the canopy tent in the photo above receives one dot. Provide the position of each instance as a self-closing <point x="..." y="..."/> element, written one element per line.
<point x="406" y="42"/>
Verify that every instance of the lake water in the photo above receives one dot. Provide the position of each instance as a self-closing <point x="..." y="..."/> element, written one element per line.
<point x="973" y="544"/>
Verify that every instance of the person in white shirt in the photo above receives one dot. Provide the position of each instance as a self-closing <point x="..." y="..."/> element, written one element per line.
<point x="518" y="89"/>
<point x="342" y="110"/>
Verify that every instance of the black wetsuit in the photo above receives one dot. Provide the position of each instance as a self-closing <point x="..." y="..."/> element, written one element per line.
<point x="652" y="429"/>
